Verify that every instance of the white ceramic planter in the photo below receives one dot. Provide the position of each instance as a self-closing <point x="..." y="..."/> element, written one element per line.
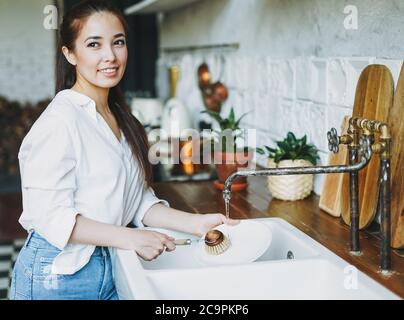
<point x="293" y="187"/>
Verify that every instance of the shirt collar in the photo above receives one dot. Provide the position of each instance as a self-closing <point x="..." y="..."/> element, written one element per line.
<point x="82" y="100"/>
<point x="87" y="103"/>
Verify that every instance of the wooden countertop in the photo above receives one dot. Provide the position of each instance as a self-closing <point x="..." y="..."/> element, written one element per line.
<point x="256" y="202"/>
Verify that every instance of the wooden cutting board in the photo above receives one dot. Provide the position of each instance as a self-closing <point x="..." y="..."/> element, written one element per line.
<point x="330" y="199"/>
<point x="373" y="100"/>
<point x="396" y="124"/>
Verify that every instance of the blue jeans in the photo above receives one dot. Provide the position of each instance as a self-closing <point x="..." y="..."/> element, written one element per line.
<point x="32" y="279"/>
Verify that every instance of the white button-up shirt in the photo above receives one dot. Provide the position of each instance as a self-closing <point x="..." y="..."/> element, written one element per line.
<point x="72" y="163"/>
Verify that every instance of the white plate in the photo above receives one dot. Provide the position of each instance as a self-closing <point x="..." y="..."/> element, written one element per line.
<point x="249" y="240"/>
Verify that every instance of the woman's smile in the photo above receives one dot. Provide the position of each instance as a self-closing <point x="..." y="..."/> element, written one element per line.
<point x="109" y="72"/>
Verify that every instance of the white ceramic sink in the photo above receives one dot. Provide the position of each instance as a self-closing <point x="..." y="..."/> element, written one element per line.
<point x="284" y="243"/>
<point x="294" y="267"/>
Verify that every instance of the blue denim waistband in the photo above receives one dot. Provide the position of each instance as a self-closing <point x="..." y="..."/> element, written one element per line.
<point x="35" y="240"/>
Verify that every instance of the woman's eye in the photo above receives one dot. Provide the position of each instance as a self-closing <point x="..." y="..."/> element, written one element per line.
<point x="93" y="44"/>
<point x="120" y="42"/>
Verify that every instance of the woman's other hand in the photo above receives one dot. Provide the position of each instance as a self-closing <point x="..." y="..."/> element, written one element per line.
<point x="208" y="221"/>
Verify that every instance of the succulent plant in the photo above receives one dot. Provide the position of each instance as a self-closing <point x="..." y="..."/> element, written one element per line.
<point x="226" y="123"/>
<point x="291" y="148"/>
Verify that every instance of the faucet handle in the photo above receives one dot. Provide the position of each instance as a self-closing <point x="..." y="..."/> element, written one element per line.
<point x="365" y="147"/>
<point x="333" y="140"/>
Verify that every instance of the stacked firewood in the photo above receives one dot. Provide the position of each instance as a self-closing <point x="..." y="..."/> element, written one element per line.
<point x="15" y="121"/>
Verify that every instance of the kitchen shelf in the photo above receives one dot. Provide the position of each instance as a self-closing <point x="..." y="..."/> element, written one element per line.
<point x="154" y="6"/>
<point x="234" y="46"/>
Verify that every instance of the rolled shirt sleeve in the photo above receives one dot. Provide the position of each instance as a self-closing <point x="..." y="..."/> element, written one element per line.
<point x="47" y="165"/>
<point x="148" y="200"/>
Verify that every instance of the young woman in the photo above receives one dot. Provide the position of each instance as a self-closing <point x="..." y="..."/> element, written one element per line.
<point x="85" y="172"/>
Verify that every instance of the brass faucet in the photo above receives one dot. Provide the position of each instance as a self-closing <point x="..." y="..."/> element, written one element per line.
<point x="382" y="148"/>
<point x="361" y="146"/>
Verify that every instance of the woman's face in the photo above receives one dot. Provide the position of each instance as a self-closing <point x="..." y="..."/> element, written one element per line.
<point x="100" y="53"/>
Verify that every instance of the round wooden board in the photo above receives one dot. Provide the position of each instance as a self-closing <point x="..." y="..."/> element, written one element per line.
<point x="373" y="100"/>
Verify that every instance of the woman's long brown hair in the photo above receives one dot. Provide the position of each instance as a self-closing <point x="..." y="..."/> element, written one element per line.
<point x="69" y="30"/>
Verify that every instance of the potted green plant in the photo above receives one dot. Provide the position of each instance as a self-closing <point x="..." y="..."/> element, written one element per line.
<point x="291" y="152"/>
<point x="228" y="156"/>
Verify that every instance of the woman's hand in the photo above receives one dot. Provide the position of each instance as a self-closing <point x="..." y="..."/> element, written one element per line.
<point x="149" y="244"/>
<point x="206" y="222"/>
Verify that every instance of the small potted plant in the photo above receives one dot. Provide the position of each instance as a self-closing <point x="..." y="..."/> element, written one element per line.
<point x="228" y="156"/>
<point x="291" y="152"/>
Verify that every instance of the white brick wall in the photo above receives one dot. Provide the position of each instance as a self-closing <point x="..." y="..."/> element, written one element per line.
<point x="27" y="51"/>
<point x="304" y="78"/>
<point x="306" y="95"/>
<point x="319" y="80"/>
<point x="300" y="120"/>
<point x="337" y="82"/>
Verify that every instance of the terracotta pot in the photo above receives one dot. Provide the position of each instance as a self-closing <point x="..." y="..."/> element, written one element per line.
<point x="228" y="163"/>
<point x="220" y="91"/>
<point x="212" y="103"/>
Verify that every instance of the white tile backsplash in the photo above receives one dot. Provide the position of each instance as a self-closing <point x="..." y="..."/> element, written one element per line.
<point x="336" y="115"/>
<point x="301" y="122"/>
<point x="287" y="79"/>
<point x="242" y="72"/>
<point x="319" y="80"/>
<point x="274" y="76"/>
<point x="286" y="115"/>
<point x="273" y="114"/>
<point x="318" y="123"/>
<point x="260" y="107"/>
<point x="236" y="101"/>
<point x="229" y="72"/>
<point x="262" y="74"/>
<point x="337" y="82"/>
<point x="304" y="78"/>
<point x="248" y="108"/>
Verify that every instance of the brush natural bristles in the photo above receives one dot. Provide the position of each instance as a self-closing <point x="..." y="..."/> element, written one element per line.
<point x="216" y="242"/>
<point x="219" y="248"/>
